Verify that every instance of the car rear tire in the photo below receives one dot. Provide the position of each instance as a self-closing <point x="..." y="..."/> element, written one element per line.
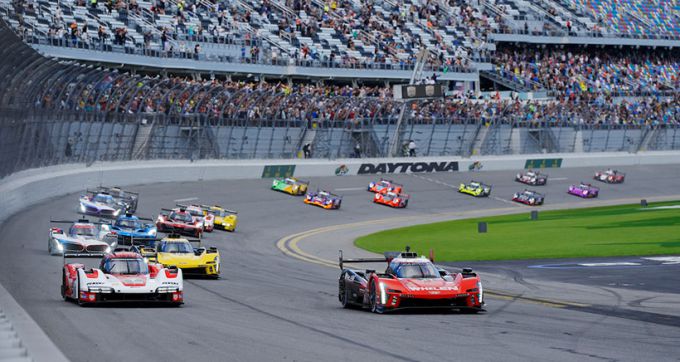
<point x="63" y="285"/>
<point x="78" y="300"/>
<point x="343" y="296"/>
<point x="373" y="298"/>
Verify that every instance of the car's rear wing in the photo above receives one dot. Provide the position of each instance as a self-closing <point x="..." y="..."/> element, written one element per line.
<point x="342" y="260"/>
<point x="88" y="260"/>
<point x="482" y="184"/>
<point x="209" y="207"/>
<point x="306" y="182"/>
<point x="388" y="257"/>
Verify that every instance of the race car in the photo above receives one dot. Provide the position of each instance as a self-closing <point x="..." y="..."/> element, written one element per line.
<point x="533" y="178"/>
<point x="100" y="204"/>
<point x="130" y="230"/>
<point x="179" y="221"/>
<point x="206" y="218"/>
<point x="83" y="237"/>
<point x="610" y="176"/>
<point x="408" y="282"/>
<point x="529" y="197"/>
<point x="224" y="219"/>
<point x="290" y="185"/>
<point x="176" y="251"/>
<point x="391" y="199"/>
<point x="476" y="189"/>
<point x="127" y="199"/>
<point x="121" y="277"/>
<point x="583" y="190"/>
<point x="385" y="186"/>
<point x="324" y="199"/>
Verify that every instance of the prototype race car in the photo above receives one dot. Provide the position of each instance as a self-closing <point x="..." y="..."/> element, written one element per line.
<point x="391" y="199"/>
<point x="324" y="199"/>
<point x="82" y="237"/>
<point x="409" y="282"/>
<point x="100" y="204"/>
<point x="385" y="186"/>
<point x="121" y="276"/>
<point x="583" y="190"/>
<point x="476" y="189"/>
<point x="179" y="221"/>
<point x="610" y="176"/>
<point x="224" y="219"/>
<point x="128" y="199"/>
<point x="290" y="185"/>
<point x="176" y="251"/>
<point x="529" y="197"/>
<point x="130" y="230"/>
<point x="533" y="178"/>
<point x="206" y="218"/>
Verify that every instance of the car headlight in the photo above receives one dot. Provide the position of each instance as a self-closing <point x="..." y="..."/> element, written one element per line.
<point x="108" y="249"/>
<point x="481" y="292"/>
<point x="82" y="208"/>
<point x="146" y="260"/>
<point x="152" y="232"/>
<point x="60" y="247"/>
<point x="383" y="295"/>
<point x="115" y="213"/>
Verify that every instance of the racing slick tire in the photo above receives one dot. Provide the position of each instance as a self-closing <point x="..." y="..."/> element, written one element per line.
<point x="80" y="302"/>
<point x="343" y="296"/>
<point x="373" y="298"/>
<point x="50" y="249"/>
<point x="63" y="285"/>
<point x="405" y="203"/>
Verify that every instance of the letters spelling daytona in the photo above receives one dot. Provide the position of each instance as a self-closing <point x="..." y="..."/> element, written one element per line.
<point x="404" y="167"/>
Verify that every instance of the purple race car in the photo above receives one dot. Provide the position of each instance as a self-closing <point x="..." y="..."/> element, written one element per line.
<point x="584" y="190"/>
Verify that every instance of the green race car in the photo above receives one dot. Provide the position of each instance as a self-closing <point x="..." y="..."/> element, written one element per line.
<point x="476" y="189"/>
<point x="290" y="185"/>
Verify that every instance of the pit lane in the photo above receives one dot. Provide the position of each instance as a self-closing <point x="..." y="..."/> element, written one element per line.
<point x="269" y="306"/>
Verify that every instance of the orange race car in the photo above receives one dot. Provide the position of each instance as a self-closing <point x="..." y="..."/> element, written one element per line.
<point x="392" y="199"/>
<point x="385" y="186"/>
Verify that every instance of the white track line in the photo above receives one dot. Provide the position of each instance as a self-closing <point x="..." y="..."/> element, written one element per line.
<point x="434" y="181"/>
<point x="558" y="178"/>
<point x="351" y="189"/>
<point x="507" y="201"/>
<point x="187" y="199"/>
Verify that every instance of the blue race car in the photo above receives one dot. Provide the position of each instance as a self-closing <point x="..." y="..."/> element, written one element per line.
<point x="130" y="230"/>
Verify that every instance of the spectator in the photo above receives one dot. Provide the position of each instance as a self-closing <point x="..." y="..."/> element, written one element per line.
<point x="307" y="150"/>
<point x="357" y="150"/>
<point x="411" y="148"/>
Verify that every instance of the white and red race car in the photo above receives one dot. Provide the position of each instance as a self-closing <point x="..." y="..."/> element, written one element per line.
<point x="121" y="277"/>
<point x="206" y="218"/>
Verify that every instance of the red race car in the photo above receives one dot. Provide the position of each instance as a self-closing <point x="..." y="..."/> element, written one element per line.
<point x="610" y="176"/>
<point x="391" y="199"/>
<point x="385" y="186"/>
<point x="179" y="221"/>
<point x="409" y="282"/>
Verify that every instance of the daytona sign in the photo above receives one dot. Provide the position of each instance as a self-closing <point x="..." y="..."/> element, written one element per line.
<point x="407" y="167"/>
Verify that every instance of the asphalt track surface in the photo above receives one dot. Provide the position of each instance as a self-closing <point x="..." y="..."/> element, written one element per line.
<point x="270" y="306"/>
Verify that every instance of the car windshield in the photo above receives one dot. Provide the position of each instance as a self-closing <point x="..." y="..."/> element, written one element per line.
<point x="181" y="216"/>
<point x="175" y="247"/>
<point x="104" y="199"/>
<point x="383" y="184"/>
<point x="129" y="224"/>
<point x="290" y="181"/>
<point x="475" y="184"/>
<point x="389" y="196"/>
<point x="84" y="230"/>
<point x="125" y="266"/>
<point x="195" y="212"/>
<point x="415" y="270"/>
<point x="220" y="213"/>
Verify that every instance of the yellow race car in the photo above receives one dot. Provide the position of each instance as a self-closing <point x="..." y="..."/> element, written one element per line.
<point x="175" y="250"/>
<point x="224" y="219"/>
<point x="476" y="189"/>
<point x="290" y="185"/>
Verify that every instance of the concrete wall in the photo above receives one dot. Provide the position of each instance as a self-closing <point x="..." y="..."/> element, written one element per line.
<point x="32" y="186"/>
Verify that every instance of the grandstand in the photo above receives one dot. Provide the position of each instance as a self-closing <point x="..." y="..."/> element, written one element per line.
<point x="191" y="79"/>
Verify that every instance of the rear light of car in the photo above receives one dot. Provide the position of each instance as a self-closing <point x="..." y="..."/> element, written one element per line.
<point x="171" y="273"/>
<point x="177" y="296"/>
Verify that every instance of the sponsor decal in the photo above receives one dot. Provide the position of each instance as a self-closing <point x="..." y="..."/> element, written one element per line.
<point x="278" y="171"/>
<point x="475" y="166"/>
<point x="341" y="170"/>
<point x="407" y="167"/>
<point x="543" y="163"/>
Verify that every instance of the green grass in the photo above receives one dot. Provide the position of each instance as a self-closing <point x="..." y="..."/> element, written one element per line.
<point x="592" y="232"/>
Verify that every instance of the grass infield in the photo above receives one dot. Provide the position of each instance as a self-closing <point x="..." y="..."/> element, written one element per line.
<point x="592" y="232"/>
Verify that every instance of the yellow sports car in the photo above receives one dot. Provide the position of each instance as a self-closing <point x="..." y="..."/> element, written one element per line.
<point x="224" y="219"/>
<point x="175" y="250"/>
<point x="290" y="185"/>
